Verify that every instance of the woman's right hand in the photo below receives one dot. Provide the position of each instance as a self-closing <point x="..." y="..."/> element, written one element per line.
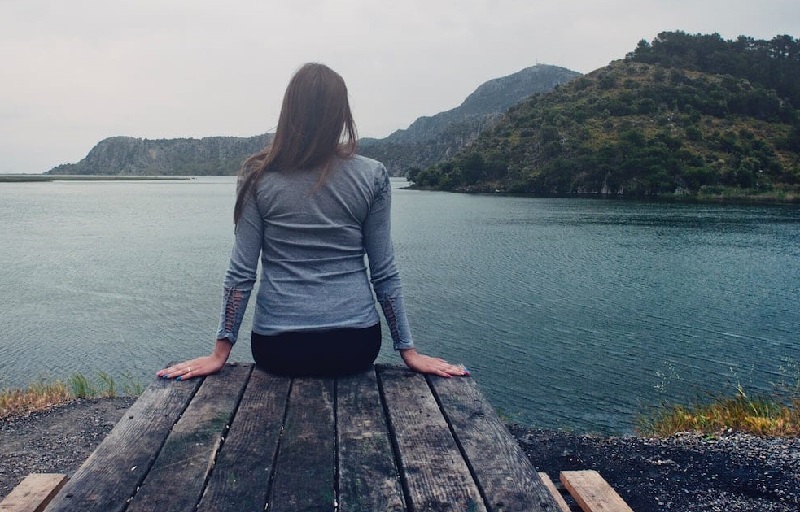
<point x="431" y="365"/>
<point x="199" y="366"/>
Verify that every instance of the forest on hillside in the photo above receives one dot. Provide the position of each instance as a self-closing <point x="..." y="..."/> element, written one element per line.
<point x="683" y="113"/>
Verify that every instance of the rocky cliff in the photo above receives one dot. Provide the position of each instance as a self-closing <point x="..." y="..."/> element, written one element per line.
<point x="177" y="157"/>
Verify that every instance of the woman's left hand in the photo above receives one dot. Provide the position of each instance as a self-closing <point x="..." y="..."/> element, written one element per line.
<point x="431" y="365"/>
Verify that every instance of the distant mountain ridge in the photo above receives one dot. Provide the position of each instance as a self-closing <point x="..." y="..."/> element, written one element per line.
<point x="426" y="141"/>
<point x="207" y="156"/>
<point x="431" y="139"/>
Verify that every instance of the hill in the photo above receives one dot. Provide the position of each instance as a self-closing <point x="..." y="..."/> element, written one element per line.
<point x="175" y="157"/>
<point x="428" y="140"/>
<point x="431" y="139"/>
<point x="686" y="113"/>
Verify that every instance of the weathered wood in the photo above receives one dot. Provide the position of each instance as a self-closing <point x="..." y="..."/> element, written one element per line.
<point x="33" y="493"/>
<point x="402" y="442"/>
<point x="368" y="477"/>
<point x="592" y="492"/>
<point x="304" y="473"/>
<point x="189" y="452"/>
<point x="240" y="479"/>
<point x="113" y="471"/>
<point x="503" y="472"/>
<point x="562" y="504"/>
<point x="436" y="476"/>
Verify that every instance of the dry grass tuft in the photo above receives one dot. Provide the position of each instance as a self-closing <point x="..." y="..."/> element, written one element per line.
<point x="43" y="395"/>
<point x="37" y="397"/>
<point x="758" y="415"/>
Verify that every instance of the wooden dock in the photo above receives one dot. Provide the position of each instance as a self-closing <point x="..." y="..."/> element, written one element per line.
<point x="242" y="440"/>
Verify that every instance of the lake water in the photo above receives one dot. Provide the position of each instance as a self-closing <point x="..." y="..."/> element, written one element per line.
<point x="570" y="313"/>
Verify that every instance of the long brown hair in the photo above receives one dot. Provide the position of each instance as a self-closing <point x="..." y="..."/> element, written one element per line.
<point x="315" y="125"/>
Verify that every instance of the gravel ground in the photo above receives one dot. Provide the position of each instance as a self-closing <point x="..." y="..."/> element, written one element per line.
<point x="688" y="472"/>
<point x="56" y="440"/>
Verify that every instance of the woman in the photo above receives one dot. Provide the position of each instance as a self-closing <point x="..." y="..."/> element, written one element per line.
<point x="311" y="208"/>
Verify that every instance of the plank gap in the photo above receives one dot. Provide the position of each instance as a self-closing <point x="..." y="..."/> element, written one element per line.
<point x="223" y="436"/>
<point x="304" y="473"/>
<point x="268" y="505"/>
<point x="368" y="476"/>
<point x="395" y="447"/>
<point x="116" y="469"/>
<point x="501" y="467"/>
<point x="460" y="447"/>
<point x="336" y="445"/>
<point x="154" y="458"/>
<point x="240" y="479"/>
<point x="562" y="504"/>
<point x="437" y="474"/>
<point x="192" y="445"/>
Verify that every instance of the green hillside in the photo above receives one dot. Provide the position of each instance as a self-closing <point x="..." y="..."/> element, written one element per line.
<point x="685" y="113"/>
<point x="431" y="139"/>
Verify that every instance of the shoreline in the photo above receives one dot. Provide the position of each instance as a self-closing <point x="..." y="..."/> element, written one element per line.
<point x="762" y="199"/>
<point x="686" y="471"/>
<point x="36" y="178"/>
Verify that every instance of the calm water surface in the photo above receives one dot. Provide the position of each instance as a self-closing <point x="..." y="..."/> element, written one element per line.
<point x="569" y="313"/>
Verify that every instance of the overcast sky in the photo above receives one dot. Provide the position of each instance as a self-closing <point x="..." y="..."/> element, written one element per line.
<point x="77" y="71"/>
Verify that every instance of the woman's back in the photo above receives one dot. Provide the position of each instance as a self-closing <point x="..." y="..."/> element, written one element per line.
<point x="310" y="209"/>
<point x="312" y="238"/>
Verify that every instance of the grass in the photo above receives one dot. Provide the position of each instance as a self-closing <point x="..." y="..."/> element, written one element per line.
<point x="778" y="195"/>
<point x="760" y="415"/>
<point x="43" y="395"/>
<point x="777" y="415"/>
<point x="19" y="402"/>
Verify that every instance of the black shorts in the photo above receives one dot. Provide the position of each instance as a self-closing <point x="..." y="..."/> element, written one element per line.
<point x="317" y="353"/>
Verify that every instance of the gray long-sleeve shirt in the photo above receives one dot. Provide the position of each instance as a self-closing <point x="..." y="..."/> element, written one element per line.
<point x="312" y="236"/>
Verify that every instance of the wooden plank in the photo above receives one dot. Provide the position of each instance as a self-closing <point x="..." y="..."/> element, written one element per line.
<point x="304" y="473"/>
<point x="368" y="477"/>
<point x="592" y="492"/>
<point x="503" y="472"/>
<point x="562" y="504"/>
<point x="435" y="474"/>
<point x="33" y="493"/>
<point x="113" y="471"/>
<point x="240" y="479"/>
<point x="177" y="478"/>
